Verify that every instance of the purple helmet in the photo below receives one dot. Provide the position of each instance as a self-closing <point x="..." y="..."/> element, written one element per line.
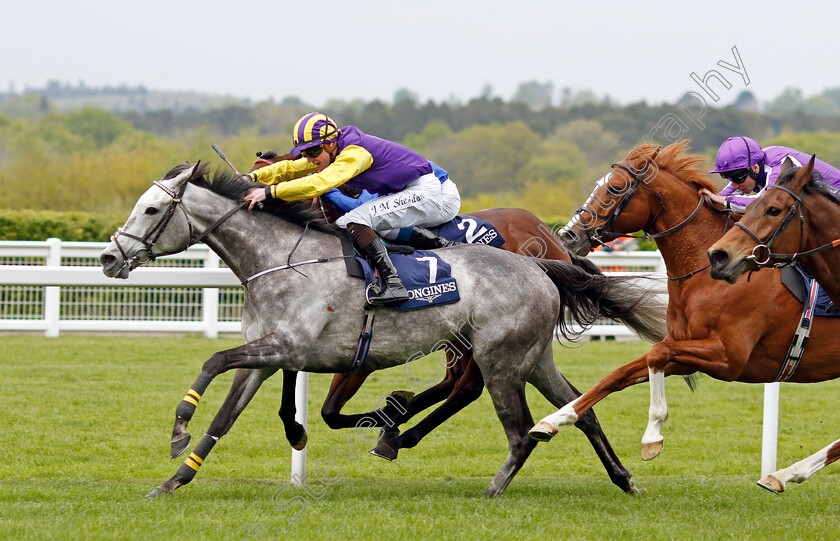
<point x="737" y="153"/>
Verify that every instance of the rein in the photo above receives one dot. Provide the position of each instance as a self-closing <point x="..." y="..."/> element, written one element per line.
<point x="290" y="265"/>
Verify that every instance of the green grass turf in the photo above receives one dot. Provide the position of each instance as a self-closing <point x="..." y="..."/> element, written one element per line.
<point x="88" y="418"/>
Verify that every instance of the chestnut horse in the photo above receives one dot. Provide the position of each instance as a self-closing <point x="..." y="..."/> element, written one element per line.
<point x="739" y="332"/>
<point x="462" y="384"/>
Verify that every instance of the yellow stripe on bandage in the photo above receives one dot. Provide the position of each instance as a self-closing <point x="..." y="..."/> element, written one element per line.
<point x="194" y="461"/>
<point x="191" y="400"/>
<point x="194" y="394"/>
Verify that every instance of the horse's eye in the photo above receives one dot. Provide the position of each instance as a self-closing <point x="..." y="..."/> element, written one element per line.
<point x="774" y="211"/>
<point x="151" y="211"/>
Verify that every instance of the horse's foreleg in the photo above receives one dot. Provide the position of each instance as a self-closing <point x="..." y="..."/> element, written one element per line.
<point x="262" y="353"/>
<point x="512" y="410"/>
<point x="342" y="388"/>
<point x="467" y="390"/>
<point x="245" y="385"/>
<point x="621" y="378"/>
<point x="295" y="433"/>
<point x="802" y="470"/>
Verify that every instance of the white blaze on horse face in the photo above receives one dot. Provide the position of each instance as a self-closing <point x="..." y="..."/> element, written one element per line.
<point x="594" y="204"/>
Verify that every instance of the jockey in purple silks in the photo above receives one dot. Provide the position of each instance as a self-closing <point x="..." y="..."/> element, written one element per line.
<point x="408" y="192"/>
<point x="750" y="169"/>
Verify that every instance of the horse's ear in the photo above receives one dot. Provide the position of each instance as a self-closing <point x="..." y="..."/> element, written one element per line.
<point x="801" y="178"/>
<point x="184" y="176"/>
<point x="194" y="172"/>
<point x="787" y="164"/>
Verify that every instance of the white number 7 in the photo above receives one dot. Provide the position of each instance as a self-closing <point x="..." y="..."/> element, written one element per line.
<point x="432" y="267"/>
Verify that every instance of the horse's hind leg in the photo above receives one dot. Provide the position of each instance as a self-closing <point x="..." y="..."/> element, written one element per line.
<point x="512" y="409"/>
<point x="245" y="385"/>
<point x="559" y="391"/>
<point x="802" y="470"/>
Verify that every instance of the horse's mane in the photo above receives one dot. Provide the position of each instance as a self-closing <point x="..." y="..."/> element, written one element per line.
<point x="687" y="168"/>
<point x="229" y="185"/>
<point x="816" y="186"/>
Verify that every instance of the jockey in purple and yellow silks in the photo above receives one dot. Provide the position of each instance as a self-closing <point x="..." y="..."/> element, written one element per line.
<point x="750" y="169"/>
<point x="409" y="193"/>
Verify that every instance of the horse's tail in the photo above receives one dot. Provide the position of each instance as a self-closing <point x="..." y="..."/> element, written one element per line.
<point x="587" y="295"/>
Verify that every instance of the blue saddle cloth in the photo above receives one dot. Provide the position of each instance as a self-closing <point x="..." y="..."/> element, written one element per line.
<point x="426" y="276"/>
<point x="471" y="230"/>
<point x="822" y="297"/>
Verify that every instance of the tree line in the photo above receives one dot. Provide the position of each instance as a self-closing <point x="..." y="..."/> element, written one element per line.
<point x="499" y="153"/>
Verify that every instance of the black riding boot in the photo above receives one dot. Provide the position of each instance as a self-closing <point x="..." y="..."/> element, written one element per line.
<point x="426" y="240"/>
<point x="393" y="291"/>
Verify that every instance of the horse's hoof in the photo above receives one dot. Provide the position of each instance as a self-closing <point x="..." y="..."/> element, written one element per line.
<point x="652" y="450"/>
<point x="772" y="484"/>
<point x="301" y="443"/>
<point x="157" y="492"/>
<point x="383" y="450"/>
<point x="387" y="434"/>
<point x="633" y="489"/>
<point x="179" y="445"/>
<point x="542" y="431"/>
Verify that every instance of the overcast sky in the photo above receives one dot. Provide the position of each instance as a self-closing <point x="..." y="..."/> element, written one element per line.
<point x="438" y="49"/>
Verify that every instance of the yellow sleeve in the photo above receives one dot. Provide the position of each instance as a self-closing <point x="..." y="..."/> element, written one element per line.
<point x="283" y="171"/>
<point x="350" y="162"/>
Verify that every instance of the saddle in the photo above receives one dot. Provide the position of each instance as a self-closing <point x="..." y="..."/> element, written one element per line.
<point x="798" y="282"/>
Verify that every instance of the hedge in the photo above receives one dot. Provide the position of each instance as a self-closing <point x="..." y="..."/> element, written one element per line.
<point x="68" y="226"/>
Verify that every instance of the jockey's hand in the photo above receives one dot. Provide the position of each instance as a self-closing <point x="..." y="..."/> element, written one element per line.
<point x="717" y="199"/>
<point x="255" y="197"/>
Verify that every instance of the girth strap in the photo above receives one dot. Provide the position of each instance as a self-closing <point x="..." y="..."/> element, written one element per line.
<point x="800" y="337"/>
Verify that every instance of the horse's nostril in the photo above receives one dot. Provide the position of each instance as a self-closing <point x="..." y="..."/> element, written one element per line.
<point x="720" y="257"/>
<point x="107" y="260"/>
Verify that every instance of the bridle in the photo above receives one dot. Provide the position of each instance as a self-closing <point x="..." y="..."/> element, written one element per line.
<point x="147" y="253"/>
<point x="761" y="253"/>
<point x="601" y="235"/>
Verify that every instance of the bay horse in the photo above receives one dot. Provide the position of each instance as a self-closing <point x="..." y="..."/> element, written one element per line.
<point x="738" y="332"/>
<point x="305" y="320"/>
<point x="795" y="220"/>
<point x="462" y="384"/>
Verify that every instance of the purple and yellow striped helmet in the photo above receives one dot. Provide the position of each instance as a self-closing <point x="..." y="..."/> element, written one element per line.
<point x="313" y="130"/>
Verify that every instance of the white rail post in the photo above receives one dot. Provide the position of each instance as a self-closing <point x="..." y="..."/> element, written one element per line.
<point x="301" y="415"/>
<point x="52" y="294"/>
<point x="770" y="429"/>
<point x="210" y="299"/>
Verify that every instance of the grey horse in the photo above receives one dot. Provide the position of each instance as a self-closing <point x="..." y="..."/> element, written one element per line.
<point x="302" y="311"/>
